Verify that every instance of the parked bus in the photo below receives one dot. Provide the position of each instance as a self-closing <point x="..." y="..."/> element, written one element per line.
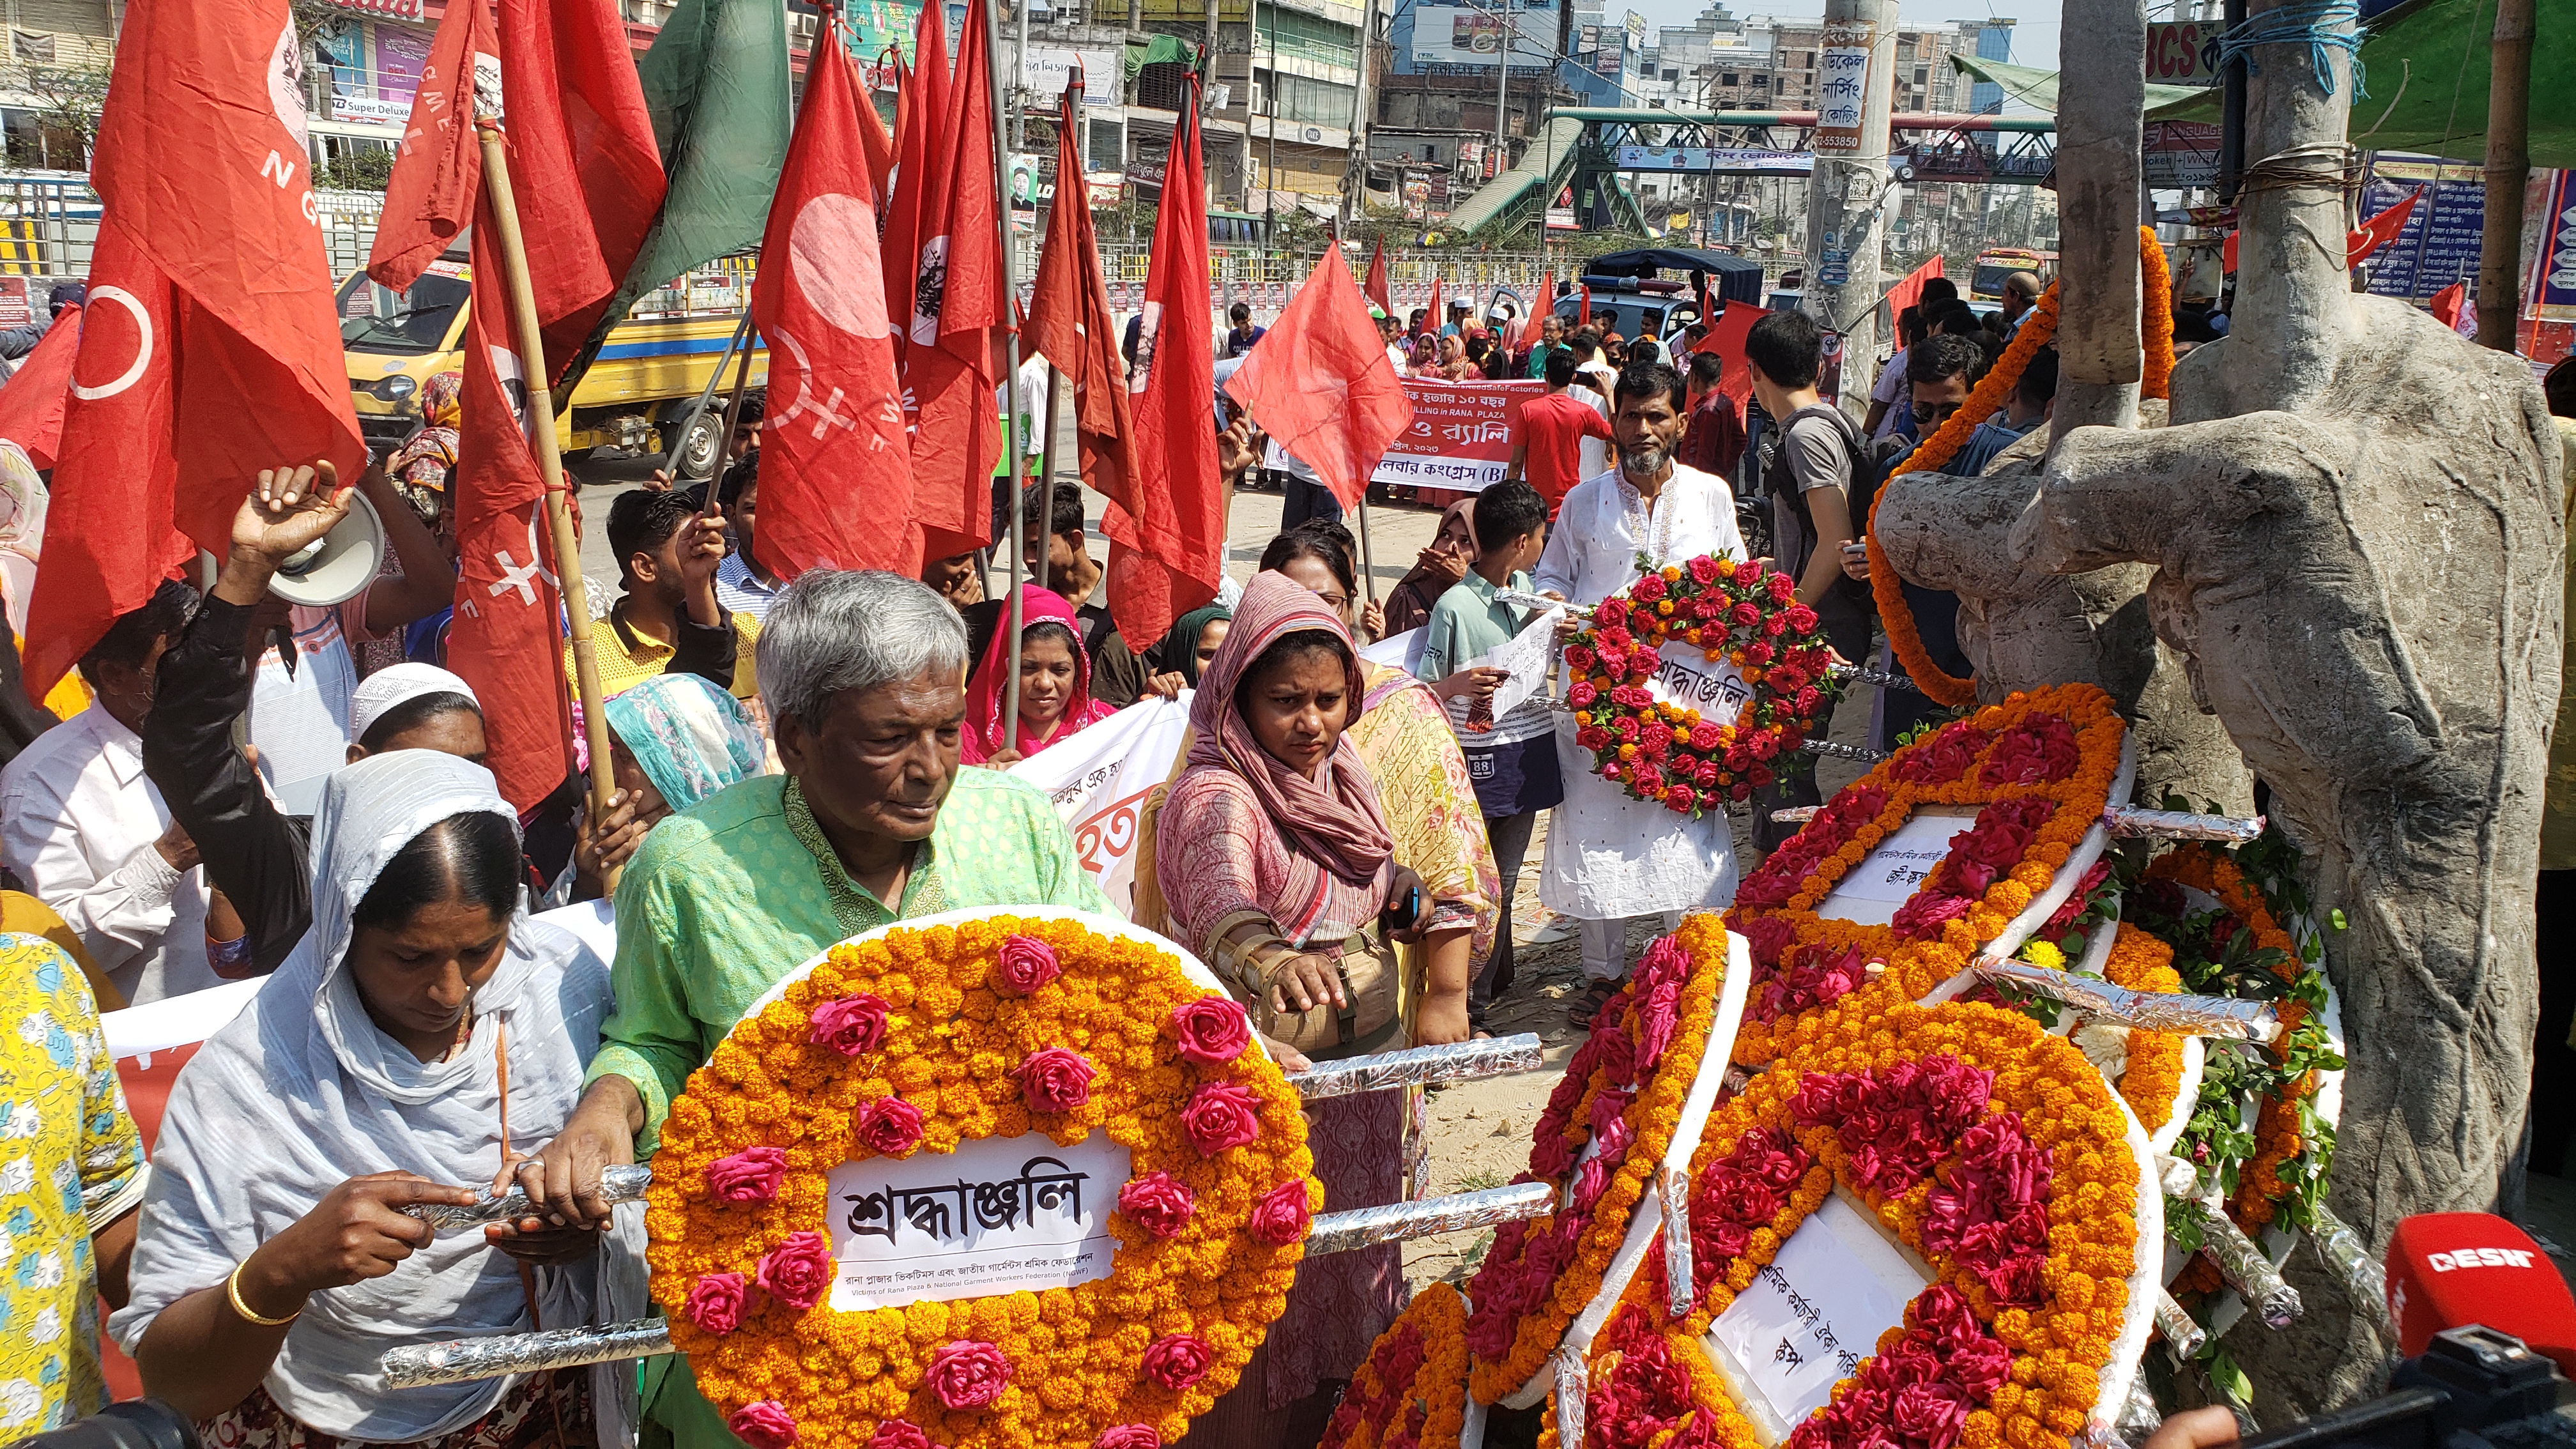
<point x="1986" y="284"/>
<point x="650" y="369"/>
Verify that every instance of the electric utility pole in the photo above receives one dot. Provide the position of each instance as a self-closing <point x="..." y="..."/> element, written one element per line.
<point x="1855" y="74"/>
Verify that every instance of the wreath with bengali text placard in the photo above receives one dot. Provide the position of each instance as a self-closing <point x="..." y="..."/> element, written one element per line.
<point x="1599" y="1139"/>
<point x="1986" y="1146"/>
<point x="2038" y="769"/>
<point x="982" y="1025"/>
<point x="1739" y="618"/>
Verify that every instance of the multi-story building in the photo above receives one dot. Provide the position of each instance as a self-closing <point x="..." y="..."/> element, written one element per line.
<point x="1924" y="79"/>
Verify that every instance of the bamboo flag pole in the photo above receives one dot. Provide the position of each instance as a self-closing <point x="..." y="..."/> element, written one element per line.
<point x="1010" y="380"/>
<point x="706" y="395"/>
<point x="541" y="432"/>
<point x="733" y="419"/>
<point x="1046" y="471"/>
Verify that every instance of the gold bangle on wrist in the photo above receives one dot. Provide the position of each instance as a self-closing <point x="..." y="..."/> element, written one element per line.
<point x="232" y="1290"/>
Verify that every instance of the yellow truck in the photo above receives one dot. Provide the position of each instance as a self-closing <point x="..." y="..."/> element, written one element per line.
<point x="649" y="371"/>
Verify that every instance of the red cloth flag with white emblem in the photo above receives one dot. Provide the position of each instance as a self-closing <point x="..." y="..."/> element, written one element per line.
<point x="585" y="170"/>
<point x="210" y="319"/>
<point x="507" y="639"/>
<point x="1167" y="545"/>
<point x="835" y="472"/>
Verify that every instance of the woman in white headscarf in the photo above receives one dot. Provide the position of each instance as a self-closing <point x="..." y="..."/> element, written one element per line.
<point x="422" y="1033"/>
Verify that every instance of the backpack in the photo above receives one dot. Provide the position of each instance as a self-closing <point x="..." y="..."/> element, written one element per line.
<point x="1869" y="465"/>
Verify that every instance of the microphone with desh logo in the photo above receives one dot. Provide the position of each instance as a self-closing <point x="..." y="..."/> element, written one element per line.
<point x="2487" y="1330"/>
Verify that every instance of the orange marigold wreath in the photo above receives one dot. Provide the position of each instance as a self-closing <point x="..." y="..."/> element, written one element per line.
<point x="2041" y="763"/>
<point x="1411" y="1392"/>
<point x="915" y="1039"/>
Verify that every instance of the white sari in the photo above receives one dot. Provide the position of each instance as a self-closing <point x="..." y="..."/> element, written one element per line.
<point x="302" y="1092"/>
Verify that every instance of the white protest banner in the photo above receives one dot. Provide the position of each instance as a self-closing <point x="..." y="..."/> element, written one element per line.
<point x="1099" y="780"/>
<point x="1810" y="1317"/>
<point x="1461" y="438"/>
<point x="1402" y="651"/>
<point x="998" y="1215"/>
<point x="151" y="1042"/>
<point x="1896" y="867"/>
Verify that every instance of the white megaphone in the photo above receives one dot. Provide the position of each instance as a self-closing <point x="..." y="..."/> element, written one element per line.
<point x="332" y="569"/>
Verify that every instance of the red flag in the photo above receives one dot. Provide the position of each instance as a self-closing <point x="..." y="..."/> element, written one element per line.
<point x="1909" y="292"/>
<point x="109" y="540"/>
<point x="1546" y="308"/>
<point x="2450" y="307"/>
<point x="225" y="334"/>
<point x="1433" y="311"/>
<point x="1321" y="384"/>
<point x="2379" y="231"/>
<point x="1167" y="548"/>
<point x="1726" y="339"/>
<point x="1070" y="324"/>
<point x="1375" y="287"/>
<point x="836" y="472"/>
<point x="919" y="175"/>
<point x="585" y="171"/>
<point x="957" y="318"/>
<point x="33" y="400"/>
<point x="1583" y="318"/>
<point x="505" y="642"/>
<point x="438" y="173"/>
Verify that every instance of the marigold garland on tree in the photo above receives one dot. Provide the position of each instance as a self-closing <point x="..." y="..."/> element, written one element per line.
<point x="969" y="1028"/>
<point x="2156" y="320"/>
<point x="1929" y="456"/>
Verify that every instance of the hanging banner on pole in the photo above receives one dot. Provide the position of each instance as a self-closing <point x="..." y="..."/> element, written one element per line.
<point x="1461" y="438"/>
<point x="2552" y="293"/>
<point x="1842" y="86"/>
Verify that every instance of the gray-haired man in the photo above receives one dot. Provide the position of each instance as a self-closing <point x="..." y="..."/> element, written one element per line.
<point x="872" y="823"/>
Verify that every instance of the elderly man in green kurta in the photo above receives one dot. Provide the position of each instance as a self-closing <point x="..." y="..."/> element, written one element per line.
<point x="872" y="823"/>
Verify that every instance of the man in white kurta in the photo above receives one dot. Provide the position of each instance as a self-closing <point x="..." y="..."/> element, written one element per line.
<point x="1610" y="858"/>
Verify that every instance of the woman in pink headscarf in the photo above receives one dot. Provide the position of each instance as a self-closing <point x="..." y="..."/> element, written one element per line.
<point x="1276" y="867"/>
<point x="1055" y="686"/>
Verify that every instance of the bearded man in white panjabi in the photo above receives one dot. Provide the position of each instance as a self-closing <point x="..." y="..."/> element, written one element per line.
<point x="1611" y="858"/>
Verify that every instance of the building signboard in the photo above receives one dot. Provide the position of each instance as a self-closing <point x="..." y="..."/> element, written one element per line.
<point x="1842" y="86"/>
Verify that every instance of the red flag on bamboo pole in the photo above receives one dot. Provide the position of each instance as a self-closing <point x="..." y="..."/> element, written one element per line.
<point x="1321" y="384"/>
<point x="1434" y="318"/>
<point x="583" y="162"/>
<point x="957" y="317"/>
<point x="1070" y="323"/>
<point x="919" y="174"/>
<point x="1375" y="288"/>
<point x="211" y="318"/>
<point x="1167" y="548"/>
<point x="836" y="471"/>
<point x="438" y="168"/>
<point x="505" y="641"/>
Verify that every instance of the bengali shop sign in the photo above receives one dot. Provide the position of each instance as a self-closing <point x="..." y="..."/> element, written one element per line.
<point x="1461" y="438"/>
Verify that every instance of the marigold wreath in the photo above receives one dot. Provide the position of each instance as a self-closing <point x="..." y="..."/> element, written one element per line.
<point x="913" y="1039"/>
<point x="1998" y="1155"/>
<point x="2039" y="768"/>
<point x="1743" y="615"/>
<point x="2262" y="1127"/>
<point x="1411" y="1392"/>
<point x="1630" y="1102"/>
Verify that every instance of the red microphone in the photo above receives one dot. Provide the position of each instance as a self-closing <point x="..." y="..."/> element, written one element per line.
<point x="2450" y="1270"/>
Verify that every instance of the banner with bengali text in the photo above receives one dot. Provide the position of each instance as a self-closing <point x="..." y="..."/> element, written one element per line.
<point x="1461" y="438"/>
